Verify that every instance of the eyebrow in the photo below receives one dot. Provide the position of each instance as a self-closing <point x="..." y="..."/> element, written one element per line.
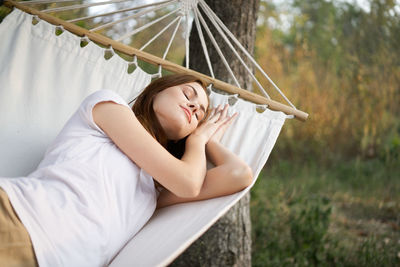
<point x="195" y="92"/>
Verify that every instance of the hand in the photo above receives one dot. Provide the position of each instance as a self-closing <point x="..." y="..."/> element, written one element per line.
<point x="216" y="137"/>
<point x="218" y="119"/>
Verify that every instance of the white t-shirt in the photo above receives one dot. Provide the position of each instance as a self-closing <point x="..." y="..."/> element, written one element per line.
<point x="86" y="199"/>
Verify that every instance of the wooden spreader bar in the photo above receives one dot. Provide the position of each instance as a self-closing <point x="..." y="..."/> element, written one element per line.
<point x="130" y="51"/>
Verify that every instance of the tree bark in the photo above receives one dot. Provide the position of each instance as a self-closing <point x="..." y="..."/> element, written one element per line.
<point x="227" y="242"/>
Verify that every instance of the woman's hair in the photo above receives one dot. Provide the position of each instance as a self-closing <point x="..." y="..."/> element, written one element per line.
<point x="143" y="108"/>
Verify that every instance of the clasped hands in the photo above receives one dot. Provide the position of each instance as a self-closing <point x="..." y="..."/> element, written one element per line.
<point x="214" y="126"/>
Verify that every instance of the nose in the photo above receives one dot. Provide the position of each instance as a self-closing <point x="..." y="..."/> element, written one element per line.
<point x="194" y="106"/>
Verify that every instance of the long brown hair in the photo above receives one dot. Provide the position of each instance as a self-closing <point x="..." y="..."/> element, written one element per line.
<point x="143" y="106"/>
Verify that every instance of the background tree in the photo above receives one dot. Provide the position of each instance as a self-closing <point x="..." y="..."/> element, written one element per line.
<point x="228" y="242"/>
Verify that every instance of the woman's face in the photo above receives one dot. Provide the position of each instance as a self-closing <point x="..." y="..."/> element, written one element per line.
<point x="180" y="109"/>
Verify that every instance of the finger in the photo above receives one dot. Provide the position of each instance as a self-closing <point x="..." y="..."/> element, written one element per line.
<point x="221" y="111"/>
<point x="215" y="116"/>
<point x="220" y="131"/>
<point x="224" y="114"/>
<point x="225" y="111"/>
<point x="217" y="108"/>
<point x="228" y="120"/>
<point x="212" y="112"/>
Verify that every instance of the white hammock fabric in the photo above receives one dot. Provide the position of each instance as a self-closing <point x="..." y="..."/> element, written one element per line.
<point x="45" y="77"/>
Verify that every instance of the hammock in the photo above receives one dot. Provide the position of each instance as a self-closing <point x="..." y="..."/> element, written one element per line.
<point x="44" y="79"/>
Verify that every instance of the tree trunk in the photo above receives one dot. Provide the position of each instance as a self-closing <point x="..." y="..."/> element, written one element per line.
<point x="228" y="242"/>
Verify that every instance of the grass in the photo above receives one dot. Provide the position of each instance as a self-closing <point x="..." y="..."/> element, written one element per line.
<point x="346" y="214"/>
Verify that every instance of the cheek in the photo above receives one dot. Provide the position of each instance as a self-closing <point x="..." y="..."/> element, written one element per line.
<point x="160" y="104"/>
<point x="176" y="126"/>
<point x="169" y="119"/>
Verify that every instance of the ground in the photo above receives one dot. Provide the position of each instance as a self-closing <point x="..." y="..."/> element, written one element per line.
<point x="346" y="214"/>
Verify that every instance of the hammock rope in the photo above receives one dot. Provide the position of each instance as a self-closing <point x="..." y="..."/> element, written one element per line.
<point x="214" y="16"/>
<point x="134" y="16"/>
<point x="216" y="46"/>
<point x="203" y="44"/>
<point x="65" y="8"/>
<point x="162" y="31"/>
<point x="129" y="34"/>
<point x="235" y="53"/>
<point x="172" y="38"/>
<point x="117" y="11"/>
<point x="35" y="2"/>
<point x="187" y="54"/>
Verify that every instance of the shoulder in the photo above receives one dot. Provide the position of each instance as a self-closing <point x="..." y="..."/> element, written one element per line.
<point x="111" y="115"/>
<point x="103" y="96"/>
<point x="90" y="110"/>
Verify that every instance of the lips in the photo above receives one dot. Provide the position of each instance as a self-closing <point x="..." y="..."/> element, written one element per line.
<point x="187" y="114"/>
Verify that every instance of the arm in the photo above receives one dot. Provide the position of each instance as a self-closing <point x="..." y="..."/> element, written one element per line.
<point x="230" y="174"/>
<point x="182" y="177"/>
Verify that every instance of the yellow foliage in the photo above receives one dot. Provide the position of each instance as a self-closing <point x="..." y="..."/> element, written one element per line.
<point x="349" y="115"/>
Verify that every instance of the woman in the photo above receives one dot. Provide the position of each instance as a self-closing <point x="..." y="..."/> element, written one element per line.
<point x="96" y="186"/>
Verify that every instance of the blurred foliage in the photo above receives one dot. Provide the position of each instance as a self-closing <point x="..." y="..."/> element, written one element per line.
<point x="329" y="193"/>
<point x="309" y="221"/>
<point x="341" y="64"/>
<point x="345" y="215"/>
<point x="4" y="12"/>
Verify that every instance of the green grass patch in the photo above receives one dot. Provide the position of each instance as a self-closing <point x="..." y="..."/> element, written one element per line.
<point x="345" y="214"/>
